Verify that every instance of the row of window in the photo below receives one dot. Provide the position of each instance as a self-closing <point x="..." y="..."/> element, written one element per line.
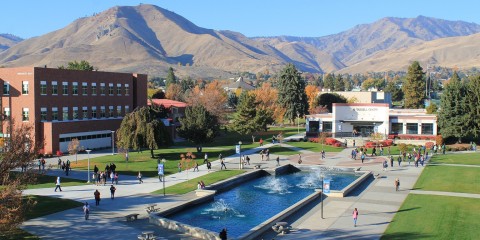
<point x="75" y="89"/>
<point x="86" y="137"/>
<point x="74" y="113"/>
<point x="412" y="128"/>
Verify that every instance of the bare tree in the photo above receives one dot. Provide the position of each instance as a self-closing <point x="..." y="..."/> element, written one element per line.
<point x="19" y="152"/>
<point x="73" y="147"/>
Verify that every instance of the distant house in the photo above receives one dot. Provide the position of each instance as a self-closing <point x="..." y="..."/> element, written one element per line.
<point x="239" y="85"/>
<point x="177" y="110"/>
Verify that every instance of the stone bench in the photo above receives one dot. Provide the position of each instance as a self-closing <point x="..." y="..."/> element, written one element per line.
<point x="132" y="217"/>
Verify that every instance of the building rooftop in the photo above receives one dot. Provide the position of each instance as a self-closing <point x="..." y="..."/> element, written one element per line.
<point x="168" y="103"/>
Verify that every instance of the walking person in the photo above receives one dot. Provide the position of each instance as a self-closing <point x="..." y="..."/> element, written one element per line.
<point x="112" y="192"/>
<point x="268" y="154"/>
<point x="112" y="177"/>
<point x="116" y="178"/>
<point x="248" y="160"/>
<point x="205" y="159"/>
<point x="209" y="166"/>
<point x="355" y="217"/>
<point x="278" y="160"/>
<point x="397" y="184"/>
<point x="96" y="194"/>
<point x="385" y="165"/>
<point x="179" y="165"/>
<point x="222" y="162"/>
<point x="323" y="154"/>
<point x="59" y="163"/>
<point x="362" y="157"/>
<point x="139" y="176"/>
<point x="196" y="166"/>
<point x="86" y="210"/>
<point x="299" y="159"/>
<point x="57" y="184"/>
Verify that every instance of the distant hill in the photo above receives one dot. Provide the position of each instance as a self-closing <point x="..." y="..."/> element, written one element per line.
<point x="8" y="40"/>
<point x="149" y="39"/>
<point x="360" y="42"/>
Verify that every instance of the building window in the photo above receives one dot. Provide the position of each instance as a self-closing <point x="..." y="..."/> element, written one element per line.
<point x="84" y="88"/>
<point x="127" y="109"/>
<point x="110" y="89"/>
<point x="94" y="112"/>
<point x="397" y="128"/>
<point x="54" y="114"/>
<point x="102" y="111"/>
<point x="54" y="88"/>
<point x="65" y="114"/>
<point x="412" y="128"/>
<point x="127" y="89"/>
<point x="75" y="88"/>
<point x="110" y="111"/>
<point x="6" y="112"/>
<point x="75" y="113"/>
<point x="94" y="89"/>
<point x="119" y="89"/>
<point x="6" y="88"/>
<point x="327" y="127"/>
<point x="427" y="128"/>
<point x="119" y="111"/>
<point x="102" y="88"/>
<point x="25" y="87"/>
<point x="84" y="113"/>
<point x="25" y="114"/>
<point x="65" y="88"/>
<point x="43" y="88"/>
<point x="43" y="114"/>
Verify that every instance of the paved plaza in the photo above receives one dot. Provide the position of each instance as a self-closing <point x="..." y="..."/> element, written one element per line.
<point x="376" y="200"/>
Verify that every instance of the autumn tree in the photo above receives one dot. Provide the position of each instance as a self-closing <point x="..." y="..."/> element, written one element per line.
<point x="414" y="86"/>
<point x="266" y="96"/>
<point x="143" y="128"/>
<point x="74" y="147"/>
<point x="198" y="125"/>
<point x="291" y="93"/>
<point x="20" y="151"/>
<point x="174" y="92"/>
<point x="213" y="97"/>
<point x="312" y="92"/>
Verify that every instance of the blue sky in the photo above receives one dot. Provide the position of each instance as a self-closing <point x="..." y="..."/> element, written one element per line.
<point x="313" y="18"/>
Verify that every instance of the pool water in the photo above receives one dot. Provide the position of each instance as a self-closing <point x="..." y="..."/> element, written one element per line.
<point x="247" y="205"/>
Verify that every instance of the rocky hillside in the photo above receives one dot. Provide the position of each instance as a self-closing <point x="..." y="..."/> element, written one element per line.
<point x="8" y="40"/>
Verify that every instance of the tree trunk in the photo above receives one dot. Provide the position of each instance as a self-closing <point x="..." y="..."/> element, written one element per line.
<point x="151" y="152"/>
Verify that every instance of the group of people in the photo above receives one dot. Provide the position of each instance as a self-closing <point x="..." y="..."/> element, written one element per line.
<point x="110" y="173"/>
<point x="65" y="166"/>
<point x="265" y="154"/>
<point x="200" y="185"/>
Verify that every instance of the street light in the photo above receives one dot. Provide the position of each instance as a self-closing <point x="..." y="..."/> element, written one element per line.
<point x="240" y="154"/>
<point x="298" y="122"/>
<point x="163" y="176"/>
<point x="113" y="143"/>
<point x="88" y="152"/>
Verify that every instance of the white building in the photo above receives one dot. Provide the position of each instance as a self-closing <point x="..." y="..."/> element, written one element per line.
<point x="363" y="119"/>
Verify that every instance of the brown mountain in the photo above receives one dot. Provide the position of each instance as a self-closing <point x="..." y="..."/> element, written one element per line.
<point x="149" y="39"/>
<point x="360" y="42"/>
<point x="8" y="40"/>
<point x="460" y="52"/>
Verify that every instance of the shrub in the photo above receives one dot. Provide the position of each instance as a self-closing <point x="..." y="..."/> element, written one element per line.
<point x="337" y="144"/>
<point x="402" y="147"/>
<point x="429" y="145"/>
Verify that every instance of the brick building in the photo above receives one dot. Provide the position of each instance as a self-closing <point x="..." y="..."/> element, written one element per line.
<point x="65" y="104"/>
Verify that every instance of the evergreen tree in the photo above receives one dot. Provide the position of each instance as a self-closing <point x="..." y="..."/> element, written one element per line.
<point x="319" y="82"/>
<point x="187" y="84"/>
<point x="143" y="129"/>
<point x="347" y="82"/>
<point x="291" y="93"/>
<point x="171" y="78"/>
<point x="198" y="125"/>
<point x="395" y="91"/>
<point x="82" y="66"/>
<point x="244" y="119"/>
<point x="452" y="117"/>
<point x="414" y="86"/>
<point x="473" y="106"/>
<point x="339" y="85"/>
<point x="329" y="82"/>
<point x="327" y="100"/>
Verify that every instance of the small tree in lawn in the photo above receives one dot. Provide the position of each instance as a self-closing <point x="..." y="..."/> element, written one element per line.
<point x="73" y="147"/>
<point x="187" y="161"/>
<point x="322" y="137"/>
<point x="376" y="137"/>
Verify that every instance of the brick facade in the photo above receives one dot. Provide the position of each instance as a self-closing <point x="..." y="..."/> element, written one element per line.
<point x="64" y="104"/>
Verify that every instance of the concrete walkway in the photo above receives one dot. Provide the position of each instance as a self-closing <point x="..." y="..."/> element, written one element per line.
<point x="377" y="202"/>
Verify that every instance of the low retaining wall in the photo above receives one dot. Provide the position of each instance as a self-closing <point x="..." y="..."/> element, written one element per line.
<point x="237" y="180"/>
<point x="183" y="228"/>
<point x="344" y="192"/>
<point x="257" y="231"/>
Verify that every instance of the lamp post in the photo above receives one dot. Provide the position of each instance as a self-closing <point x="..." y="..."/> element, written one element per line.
<point x="321" y="195"/>
<point x="298" y="122"/>
<point x="163" y="176"/>
<point x="113" y="142"/>
<point x="240" y="154"/>
<point x="88" y="152"/>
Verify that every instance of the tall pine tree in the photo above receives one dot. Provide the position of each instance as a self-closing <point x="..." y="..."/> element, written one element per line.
<point x="171" y="78"/>
<point x="250" y="117"/>
<point x="473" y="105"/>
<point x="339" y="83"/>
<point x="452" y="117"/>
<point x="198" y="125"/>
<point x="329" y="82"/>
<point x="291" y="93"/>
<point x="414" y="86"/>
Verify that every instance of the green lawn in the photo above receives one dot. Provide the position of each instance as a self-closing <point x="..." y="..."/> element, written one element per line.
<point x="435" y="217"/>
<point x="45" y="206"/>
<point x="44" y="181"/>
<point x="315" y="147"/>
<point x="279" y="150"/>
<point x="458" y="158"/>
<point x="449" y="179"/>
<point x="190" y="185"/>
